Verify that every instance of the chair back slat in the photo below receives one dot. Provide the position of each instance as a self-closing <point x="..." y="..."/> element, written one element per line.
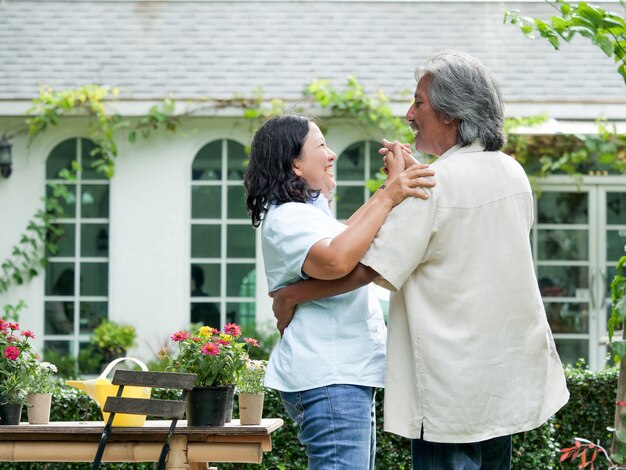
<point x="143" y="406"/>
<point x="177" y="380"/>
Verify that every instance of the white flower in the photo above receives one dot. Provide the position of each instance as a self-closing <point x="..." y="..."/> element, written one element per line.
<point x="47" y="367"/>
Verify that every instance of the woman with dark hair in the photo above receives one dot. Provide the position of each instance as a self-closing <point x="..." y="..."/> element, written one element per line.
<point x="332" y="355"/>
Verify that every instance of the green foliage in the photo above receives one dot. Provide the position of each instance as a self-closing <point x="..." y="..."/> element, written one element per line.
<point x="113" y="337"/>
<point x="618" y="309"/>
<point x="604" y="29"/>
<point x="372" y="112"/>
<point x="12" y="312"/>
<point x="251" y="378"/>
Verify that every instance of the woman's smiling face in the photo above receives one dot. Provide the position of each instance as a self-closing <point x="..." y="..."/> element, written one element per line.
<point x="315" y="162"/>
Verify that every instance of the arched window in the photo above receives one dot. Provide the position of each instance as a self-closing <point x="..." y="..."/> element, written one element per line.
<point x="222" y="239"/>
<point x="77" y="275"/>
<point x="355" y="166"/>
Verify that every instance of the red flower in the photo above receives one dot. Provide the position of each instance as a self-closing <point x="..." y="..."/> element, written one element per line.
<point x="223" y="342"/>
<point x="179" y="336"/>
<point x="28" y="334"/>
<point x="11" y="353"/>
<point x="211" y="349"/>
<point x="232" y="329"/>
<point x="252" y="342"/>
<point x="14" y="326"/>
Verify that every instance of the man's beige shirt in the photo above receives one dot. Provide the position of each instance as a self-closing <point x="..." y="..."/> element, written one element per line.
<point x="470" y="355"/>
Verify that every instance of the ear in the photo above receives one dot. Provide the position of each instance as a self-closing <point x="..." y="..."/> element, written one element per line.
<point x="448" y="120"/>
<point x="296" y="167"/>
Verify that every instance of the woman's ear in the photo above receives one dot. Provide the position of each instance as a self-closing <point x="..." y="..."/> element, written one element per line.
<point x="296" y="167"/>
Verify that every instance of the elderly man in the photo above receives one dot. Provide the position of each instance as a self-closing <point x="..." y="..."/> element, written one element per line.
<point x="470" y="356"/>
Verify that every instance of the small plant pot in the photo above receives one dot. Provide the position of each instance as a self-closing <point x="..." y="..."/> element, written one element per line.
<point x="39" y="407"/>
<point x="10" y="414"/>
<point x="250" y="408"/>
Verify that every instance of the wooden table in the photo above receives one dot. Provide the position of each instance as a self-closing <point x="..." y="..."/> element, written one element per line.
<point x="190" y="447"/>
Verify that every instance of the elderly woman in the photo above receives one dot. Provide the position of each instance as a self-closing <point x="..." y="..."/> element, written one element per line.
<point x="331" y="357"/>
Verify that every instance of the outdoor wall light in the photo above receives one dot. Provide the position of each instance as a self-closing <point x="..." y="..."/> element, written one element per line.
<point x="6" y="159"/>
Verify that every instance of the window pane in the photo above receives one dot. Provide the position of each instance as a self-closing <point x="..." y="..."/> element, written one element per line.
<point x="60" y="279"/>
<point x="92" y="314"/>
<point x="616" y="208"/>
<point x="95" y="201"/>
<point x="240" y="241"/>
<point x="563" y="245"/>
<point x="205" y="280"/>
<point x="88" y="361"/>
<point x="572" y="350"/>
<point x="207" y="313"/>
<point x="65" y="242"/>
<point x="61" y="158"/>
<point x="205" y="241"/>
<point x="237" y="203"/>
<point x="94" y="240"/>
<point x="562" y="208"/>
<point x="69" y="205"/>
<point x="351" y="163"/>
<point x="236" y="160"/>
<point x="208" y="162"/>
<point x="89" y="173"/>
<point x="242" y="313"/>
<point x="240" y="280"/>
<point x="94" y="279"/>
<point x="206" y="202"/>
<point x="562" y="281"/>
<point x="615" y="244"/>
<point x="349" y="199"/>
<point x="59" y="318"/>
<point x="568" y="317"/>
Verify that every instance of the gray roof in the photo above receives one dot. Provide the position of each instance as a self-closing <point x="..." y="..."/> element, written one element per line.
<point x="217" y="49"/>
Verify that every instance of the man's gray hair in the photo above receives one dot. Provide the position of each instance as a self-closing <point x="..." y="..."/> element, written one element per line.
<point x="464" y="89"/>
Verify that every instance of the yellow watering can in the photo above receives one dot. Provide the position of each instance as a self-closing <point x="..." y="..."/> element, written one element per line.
<point x="100" y="388"/>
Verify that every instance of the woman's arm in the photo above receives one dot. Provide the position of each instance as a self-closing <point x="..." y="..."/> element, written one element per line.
<point x="287" y="298"/>
<point x="333" y="258"/>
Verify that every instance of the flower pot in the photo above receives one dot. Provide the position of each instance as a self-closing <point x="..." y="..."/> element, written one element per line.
<point x="10" y="414"/>
<point x="230" y="402"/>
<point x="250" y="408"/>
<point x="39" y="407"/>
<point x="206" y="406"/>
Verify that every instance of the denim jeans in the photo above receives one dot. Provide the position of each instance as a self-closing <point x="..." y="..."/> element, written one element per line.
<point x="492" y="454"/>
<point x="337" y="425"/>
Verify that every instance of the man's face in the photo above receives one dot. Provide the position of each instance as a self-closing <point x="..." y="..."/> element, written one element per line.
<point x="433" y="132"/>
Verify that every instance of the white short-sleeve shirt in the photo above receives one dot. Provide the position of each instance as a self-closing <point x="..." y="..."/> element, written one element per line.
<point x="336" y="340"/>
<point x="470" y="354"/>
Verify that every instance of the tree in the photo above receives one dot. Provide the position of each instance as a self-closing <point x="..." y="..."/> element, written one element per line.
<point x="604" y="29"/>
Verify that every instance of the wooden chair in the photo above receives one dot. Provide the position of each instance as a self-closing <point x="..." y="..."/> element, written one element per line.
<point x="173" y="409"/>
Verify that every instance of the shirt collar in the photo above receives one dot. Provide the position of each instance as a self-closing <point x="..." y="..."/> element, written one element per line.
<point x="322" y="203"/>
<point x="476" y="146"/>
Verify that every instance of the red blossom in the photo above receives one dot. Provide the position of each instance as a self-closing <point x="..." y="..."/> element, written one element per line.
<point x="11" y="353"/>
<point x="179" y="336"/>
<point x="211" y="349"/>
<point x="223" y="342"/>
<point x="14" y="326"/>
<point x="252" y="342"/>
<point x="28" y="334"/>
<point x="232" y="329"/>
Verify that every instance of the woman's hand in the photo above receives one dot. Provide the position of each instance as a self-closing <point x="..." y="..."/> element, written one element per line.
<point x="284" y="309"/>
<point x="409" y="181"/>
<point x="407" y="157"/>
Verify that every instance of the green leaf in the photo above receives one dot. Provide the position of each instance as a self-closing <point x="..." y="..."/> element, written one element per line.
<point x="619" y="348"/>
<point x="605" y="44"/>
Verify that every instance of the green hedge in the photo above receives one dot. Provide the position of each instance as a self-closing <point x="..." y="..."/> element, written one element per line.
<point x="588" y="413"/>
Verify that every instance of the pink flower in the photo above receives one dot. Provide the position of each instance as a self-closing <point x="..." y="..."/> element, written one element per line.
<point x="252" y="342"/>
<point x="232" y="329"/>
<point x="14" y="326"/>
<point x="179" y="336"/>
<point x="28" y="334"/>
<point x="223" y="342"/>
<point x="211" y="349"/>
<point x="11" y="353"/>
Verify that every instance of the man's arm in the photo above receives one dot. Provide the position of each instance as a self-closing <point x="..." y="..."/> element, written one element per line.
<point x="287" y="298"/>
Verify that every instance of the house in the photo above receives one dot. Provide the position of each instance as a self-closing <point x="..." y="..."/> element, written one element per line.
<point x="167" y="239"/>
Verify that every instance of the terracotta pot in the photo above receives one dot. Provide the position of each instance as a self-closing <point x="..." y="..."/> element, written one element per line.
<point x="39" y="407"/>
<point x="250" y="408"/>
<point x="206" y="406"/>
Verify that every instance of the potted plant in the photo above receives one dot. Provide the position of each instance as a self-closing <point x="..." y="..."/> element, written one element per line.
<point x="16" y="367"/>
<point x="113" y="339"/>
<point x="217" y="358"/>
<point x="39" y="397"/>
<point x="250" y="392"/>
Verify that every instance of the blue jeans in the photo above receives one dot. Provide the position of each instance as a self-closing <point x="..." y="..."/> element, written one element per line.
<point x="337" y="425"/>
<point x="492" y="454"/>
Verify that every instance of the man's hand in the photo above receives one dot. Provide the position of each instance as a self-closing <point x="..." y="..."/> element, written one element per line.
<point x="409" y="160"/>
<point x="284" y="309"/>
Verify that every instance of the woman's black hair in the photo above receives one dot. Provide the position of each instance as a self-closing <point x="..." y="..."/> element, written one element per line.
<point x="270" y="177"/>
